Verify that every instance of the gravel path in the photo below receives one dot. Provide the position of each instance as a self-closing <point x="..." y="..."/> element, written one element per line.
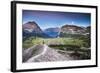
<point x="32" y="52"/>
<point x="43" y="53"/>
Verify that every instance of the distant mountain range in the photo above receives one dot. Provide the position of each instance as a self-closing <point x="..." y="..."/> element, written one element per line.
<point x="32" y="29"/>
<point x="53" y="32"/>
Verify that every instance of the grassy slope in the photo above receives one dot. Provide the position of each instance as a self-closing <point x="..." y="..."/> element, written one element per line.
<point x="52" y="41"/>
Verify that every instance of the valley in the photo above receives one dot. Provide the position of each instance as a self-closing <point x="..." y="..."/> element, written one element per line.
<point x="68" y="40"/>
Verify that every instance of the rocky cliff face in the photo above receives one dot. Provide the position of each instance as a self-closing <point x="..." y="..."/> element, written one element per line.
<point x="32" y="27"/>
<point x="72" y="29"/>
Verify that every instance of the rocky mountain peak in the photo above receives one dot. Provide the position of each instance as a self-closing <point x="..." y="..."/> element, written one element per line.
<point x="71" y="29"/>
<point x="31" y="26"/>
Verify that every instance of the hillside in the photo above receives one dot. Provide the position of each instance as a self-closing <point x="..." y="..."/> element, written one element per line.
<point x="72" y="29"/>
<point x="32" y="29"/>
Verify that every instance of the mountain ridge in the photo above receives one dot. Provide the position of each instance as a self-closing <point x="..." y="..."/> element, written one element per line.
<point x="32" y="29"/>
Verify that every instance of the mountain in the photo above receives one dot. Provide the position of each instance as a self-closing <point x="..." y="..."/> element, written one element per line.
<point x="56" y="29"/>
<point x="32" y="29"/>
<point x="53" y="32"/>
<point x="72" y="29"/>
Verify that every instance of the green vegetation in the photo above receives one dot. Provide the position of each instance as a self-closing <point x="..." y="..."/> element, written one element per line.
<point x="78" y="44"/>
<point x="68" y="42"/>
<point x="70" y="35"/>
<point x="86" y="40"/>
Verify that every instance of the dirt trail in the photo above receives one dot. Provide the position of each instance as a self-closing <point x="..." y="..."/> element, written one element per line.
<point x="43" y="53"/>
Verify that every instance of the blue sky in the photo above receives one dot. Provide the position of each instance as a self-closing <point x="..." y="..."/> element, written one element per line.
<point x="49" y="19"/>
